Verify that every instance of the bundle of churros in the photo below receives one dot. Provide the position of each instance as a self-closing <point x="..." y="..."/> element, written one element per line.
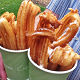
<point x="13" y="32"/>
<point x="48" y="43"/>
<point x="50" y="48"/>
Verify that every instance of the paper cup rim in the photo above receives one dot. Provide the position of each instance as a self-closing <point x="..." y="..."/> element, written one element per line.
<point x="15" y="51"/>
<point x="49" y="71"/>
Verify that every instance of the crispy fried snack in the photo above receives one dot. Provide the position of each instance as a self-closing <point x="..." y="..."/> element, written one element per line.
<point x="52" y="66"/>
<point x="67" y="19"/>
<point x="9" y="16"/>
<point x="7" y="35"/>
<point x="33" y="50"/>
<point x="11" y="19"/>
<point x="56" y="53"/>
<point x="61" y="56"/>
<point x="38" y="51"/>
<point x="40" y="41"/>
<point x="65" y="57"/>
<point x="25" y="23"/>
<point x="47" y="19"/>
<point x="44" y="33"/>
<point x="72" y="21"/>
<point x="14" y="26"/>
<point x="42" y="53"/>
<point x="64" y="68"/>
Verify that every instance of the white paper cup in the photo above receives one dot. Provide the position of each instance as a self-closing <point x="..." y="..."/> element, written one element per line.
<point x="16" y="63"/>
<point x="36" y="72"/>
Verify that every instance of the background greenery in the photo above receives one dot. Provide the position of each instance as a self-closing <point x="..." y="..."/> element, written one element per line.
<point x="12" y="6"/>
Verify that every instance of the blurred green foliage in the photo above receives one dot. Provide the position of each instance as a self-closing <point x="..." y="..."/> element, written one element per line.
<point x="12" y="6"/>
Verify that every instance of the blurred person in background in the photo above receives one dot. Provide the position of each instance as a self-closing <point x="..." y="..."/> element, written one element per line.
<point x="3" y="75"/>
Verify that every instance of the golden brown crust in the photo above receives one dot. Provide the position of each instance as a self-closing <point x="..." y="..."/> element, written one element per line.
<point x="71" y="24"/>
<point x="67" y="19"/>
<point x="48" y="18"/>
<point x="7" y="35"/>
<point x="25" y="23"/>
<point x="63" y="56"/>
<point x="9" y="16"/>
<point x="44" y="33"/>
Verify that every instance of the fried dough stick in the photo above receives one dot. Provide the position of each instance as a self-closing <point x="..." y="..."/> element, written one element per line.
<point x="67" y="19"/>
<point x="56" y="53"/>
<point x="65" y="57"/>
<point x="9" y="16"/>
<point x="21" y="26"/>
<point x="25" y="22"/>
<point x="70" y="32"/>
<point x="65" y="68"/>
<point x="67" y="36"/>
<point x="33" y="51"/>
<point x="50" y="18"/>
<point x="7" y="35"/>
<point x="14" y="26"/>
<point x="38" y="51"/>
<point x="42" y="36"/>
<point x="52" y="66"/>
<point x="31" y="21"/>
<point x="47" y="19"/>
<point x="11" y="19"/>
<point x="45" y="33"/>
<point x="42" y="53"/>
<point x="44" y="22"/>
<point x="40" y="41"/>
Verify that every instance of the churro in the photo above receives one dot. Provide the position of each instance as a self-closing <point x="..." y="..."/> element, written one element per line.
<point x="7" y="35"/>
<point x="25" y="23"/>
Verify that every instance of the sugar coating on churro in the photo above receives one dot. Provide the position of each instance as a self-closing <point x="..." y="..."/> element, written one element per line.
<point x="1" y="20"/>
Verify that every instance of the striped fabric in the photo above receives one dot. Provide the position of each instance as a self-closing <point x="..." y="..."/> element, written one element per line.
<point x="60" y="7"/>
